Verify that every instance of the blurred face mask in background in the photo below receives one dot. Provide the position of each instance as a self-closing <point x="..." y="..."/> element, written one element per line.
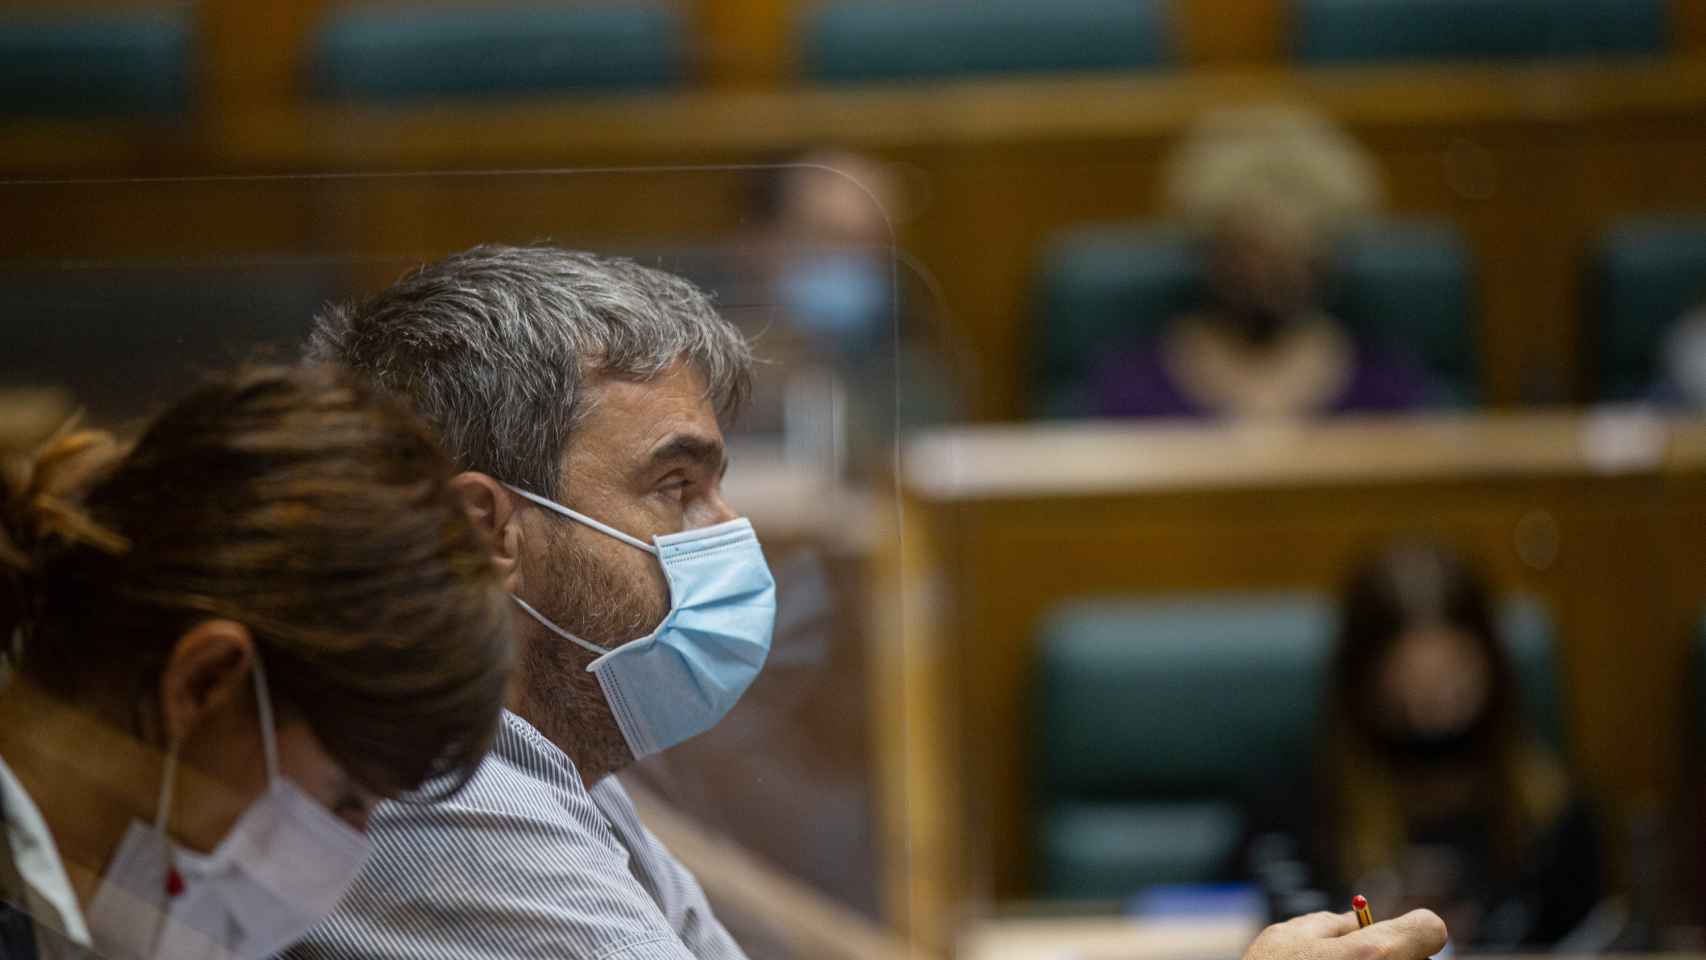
<point x="839" y="297"/>
<point x="281" y="869"/>
<point x="681" y="679"/>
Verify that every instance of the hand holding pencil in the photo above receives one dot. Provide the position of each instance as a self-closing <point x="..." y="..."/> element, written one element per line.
<point x="1337" y="936"/>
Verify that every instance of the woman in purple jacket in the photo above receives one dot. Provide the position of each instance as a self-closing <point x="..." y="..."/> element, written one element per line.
<point x="1267" y="191"/>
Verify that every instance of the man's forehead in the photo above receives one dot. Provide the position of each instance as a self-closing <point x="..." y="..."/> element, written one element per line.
<point x="632" y="417"/>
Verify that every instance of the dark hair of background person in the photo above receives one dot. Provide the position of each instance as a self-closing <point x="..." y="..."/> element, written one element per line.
<point x="1405" y="586"/>
<point x="492" y="345"/>
<point x="300" y="503"/>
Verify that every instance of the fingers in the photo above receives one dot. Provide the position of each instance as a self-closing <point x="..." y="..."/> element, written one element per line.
<point x="1323" y="926"/>
<point x="1414" y="936"/>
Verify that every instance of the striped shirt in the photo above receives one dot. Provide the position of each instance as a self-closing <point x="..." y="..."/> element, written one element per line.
<point x="524" y="862"/>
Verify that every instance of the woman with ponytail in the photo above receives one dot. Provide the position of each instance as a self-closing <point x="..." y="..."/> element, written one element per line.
<point x="226" y="644"/>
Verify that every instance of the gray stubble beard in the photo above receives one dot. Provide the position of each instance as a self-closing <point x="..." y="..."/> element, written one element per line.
<point x="560" y="697"/>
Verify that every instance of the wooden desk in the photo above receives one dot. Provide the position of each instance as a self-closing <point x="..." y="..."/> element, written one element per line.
<point x="1603" y="519"/>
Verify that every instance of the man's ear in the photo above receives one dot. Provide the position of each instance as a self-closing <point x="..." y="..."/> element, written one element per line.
<point x="206" y="672"/>
<point x="492" y="508"/>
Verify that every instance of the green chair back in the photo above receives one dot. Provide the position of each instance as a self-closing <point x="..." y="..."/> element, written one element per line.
<point x="1647" y="273"/>
<point x="95" y="63"/>
<point x="391" y="53"/>
<point x="866" y="41"/>
<point x="1373" y="31"/>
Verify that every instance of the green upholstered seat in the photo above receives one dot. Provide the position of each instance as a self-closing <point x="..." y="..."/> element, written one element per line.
<point x="1156" y="718"/>
<point x="1369" y="31"/>
<point x="94" y="63"/>
<point x="1097" y="851"/>
<point x="1407" y="287"/>
<point x="1647" y="273"/>
<point x="391" y="53"/>
<point x="863" y="41"/>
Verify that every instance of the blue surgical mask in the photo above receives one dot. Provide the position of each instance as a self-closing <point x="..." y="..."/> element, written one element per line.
<point x="682" y="678"/>
<point x="840" y="297"/>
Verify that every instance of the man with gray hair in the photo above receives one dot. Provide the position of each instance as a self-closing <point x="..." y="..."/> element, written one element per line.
<point x="554" y="379"/>
<point x="559" y="379"/>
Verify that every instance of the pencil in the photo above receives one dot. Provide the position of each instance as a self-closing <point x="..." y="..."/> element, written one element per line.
<point x="1359" y="903"/>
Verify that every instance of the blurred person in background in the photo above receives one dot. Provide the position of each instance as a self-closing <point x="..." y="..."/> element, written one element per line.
<point x="855" y="323"/>
<point x="1267" y="193"/>
<point x="828" y="247"/>
<point x="1430" y="787"/>
<point x="584" y="398"/>
<point x="228" y="643"/>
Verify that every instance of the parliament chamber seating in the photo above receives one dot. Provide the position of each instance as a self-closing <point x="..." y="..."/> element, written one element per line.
<point x="95" y="63"/>
<point x="863" y="41"/>
<point x="1530" y="162"/>
<point x="392" y="54"/>
<point x="1157" y="719"/>
<point x="1404" y="286"/>
<point x="1370" y="31"/>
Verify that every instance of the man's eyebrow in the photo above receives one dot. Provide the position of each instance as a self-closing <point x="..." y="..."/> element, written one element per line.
<point x="690" y="448"/>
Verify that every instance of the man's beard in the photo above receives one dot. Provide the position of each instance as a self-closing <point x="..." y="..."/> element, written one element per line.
<point x="560" y="697"/>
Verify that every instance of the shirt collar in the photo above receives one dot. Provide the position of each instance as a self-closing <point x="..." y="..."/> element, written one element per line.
<point x="36" y="858"/>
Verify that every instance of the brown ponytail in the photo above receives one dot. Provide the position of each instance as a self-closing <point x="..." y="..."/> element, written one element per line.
<point x="41" y="493"/>
<point x="308" y="507"/>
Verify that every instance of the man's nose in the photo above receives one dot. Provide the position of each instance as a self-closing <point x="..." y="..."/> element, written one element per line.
<point x="712" y="510"/>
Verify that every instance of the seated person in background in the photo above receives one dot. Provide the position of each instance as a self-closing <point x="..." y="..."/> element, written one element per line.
<point x="164" y="795"/>
<point x="1429" y="786"/>
<point x="847" y="313"/>
<point x="1267" y="191"/>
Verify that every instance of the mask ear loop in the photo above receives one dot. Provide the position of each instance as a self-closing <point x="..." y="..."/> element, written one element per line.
<point x="582" y="518"/>
<point x="173" y="882"/>
<point x="559" y="631"/>
<point x="174" y="879"/>
<point x="269" y="735"/>
<point x="576" y="515"/>
<point x="168" y="786"/>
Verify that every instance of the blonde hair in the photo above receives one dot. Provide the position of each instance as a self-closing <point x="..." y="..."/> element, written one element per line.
<point x="1286" y="165"/>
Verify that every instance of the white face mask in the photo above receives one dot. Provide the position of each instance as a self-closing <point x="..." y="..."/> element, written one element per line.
<point x="281" y="870"/>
